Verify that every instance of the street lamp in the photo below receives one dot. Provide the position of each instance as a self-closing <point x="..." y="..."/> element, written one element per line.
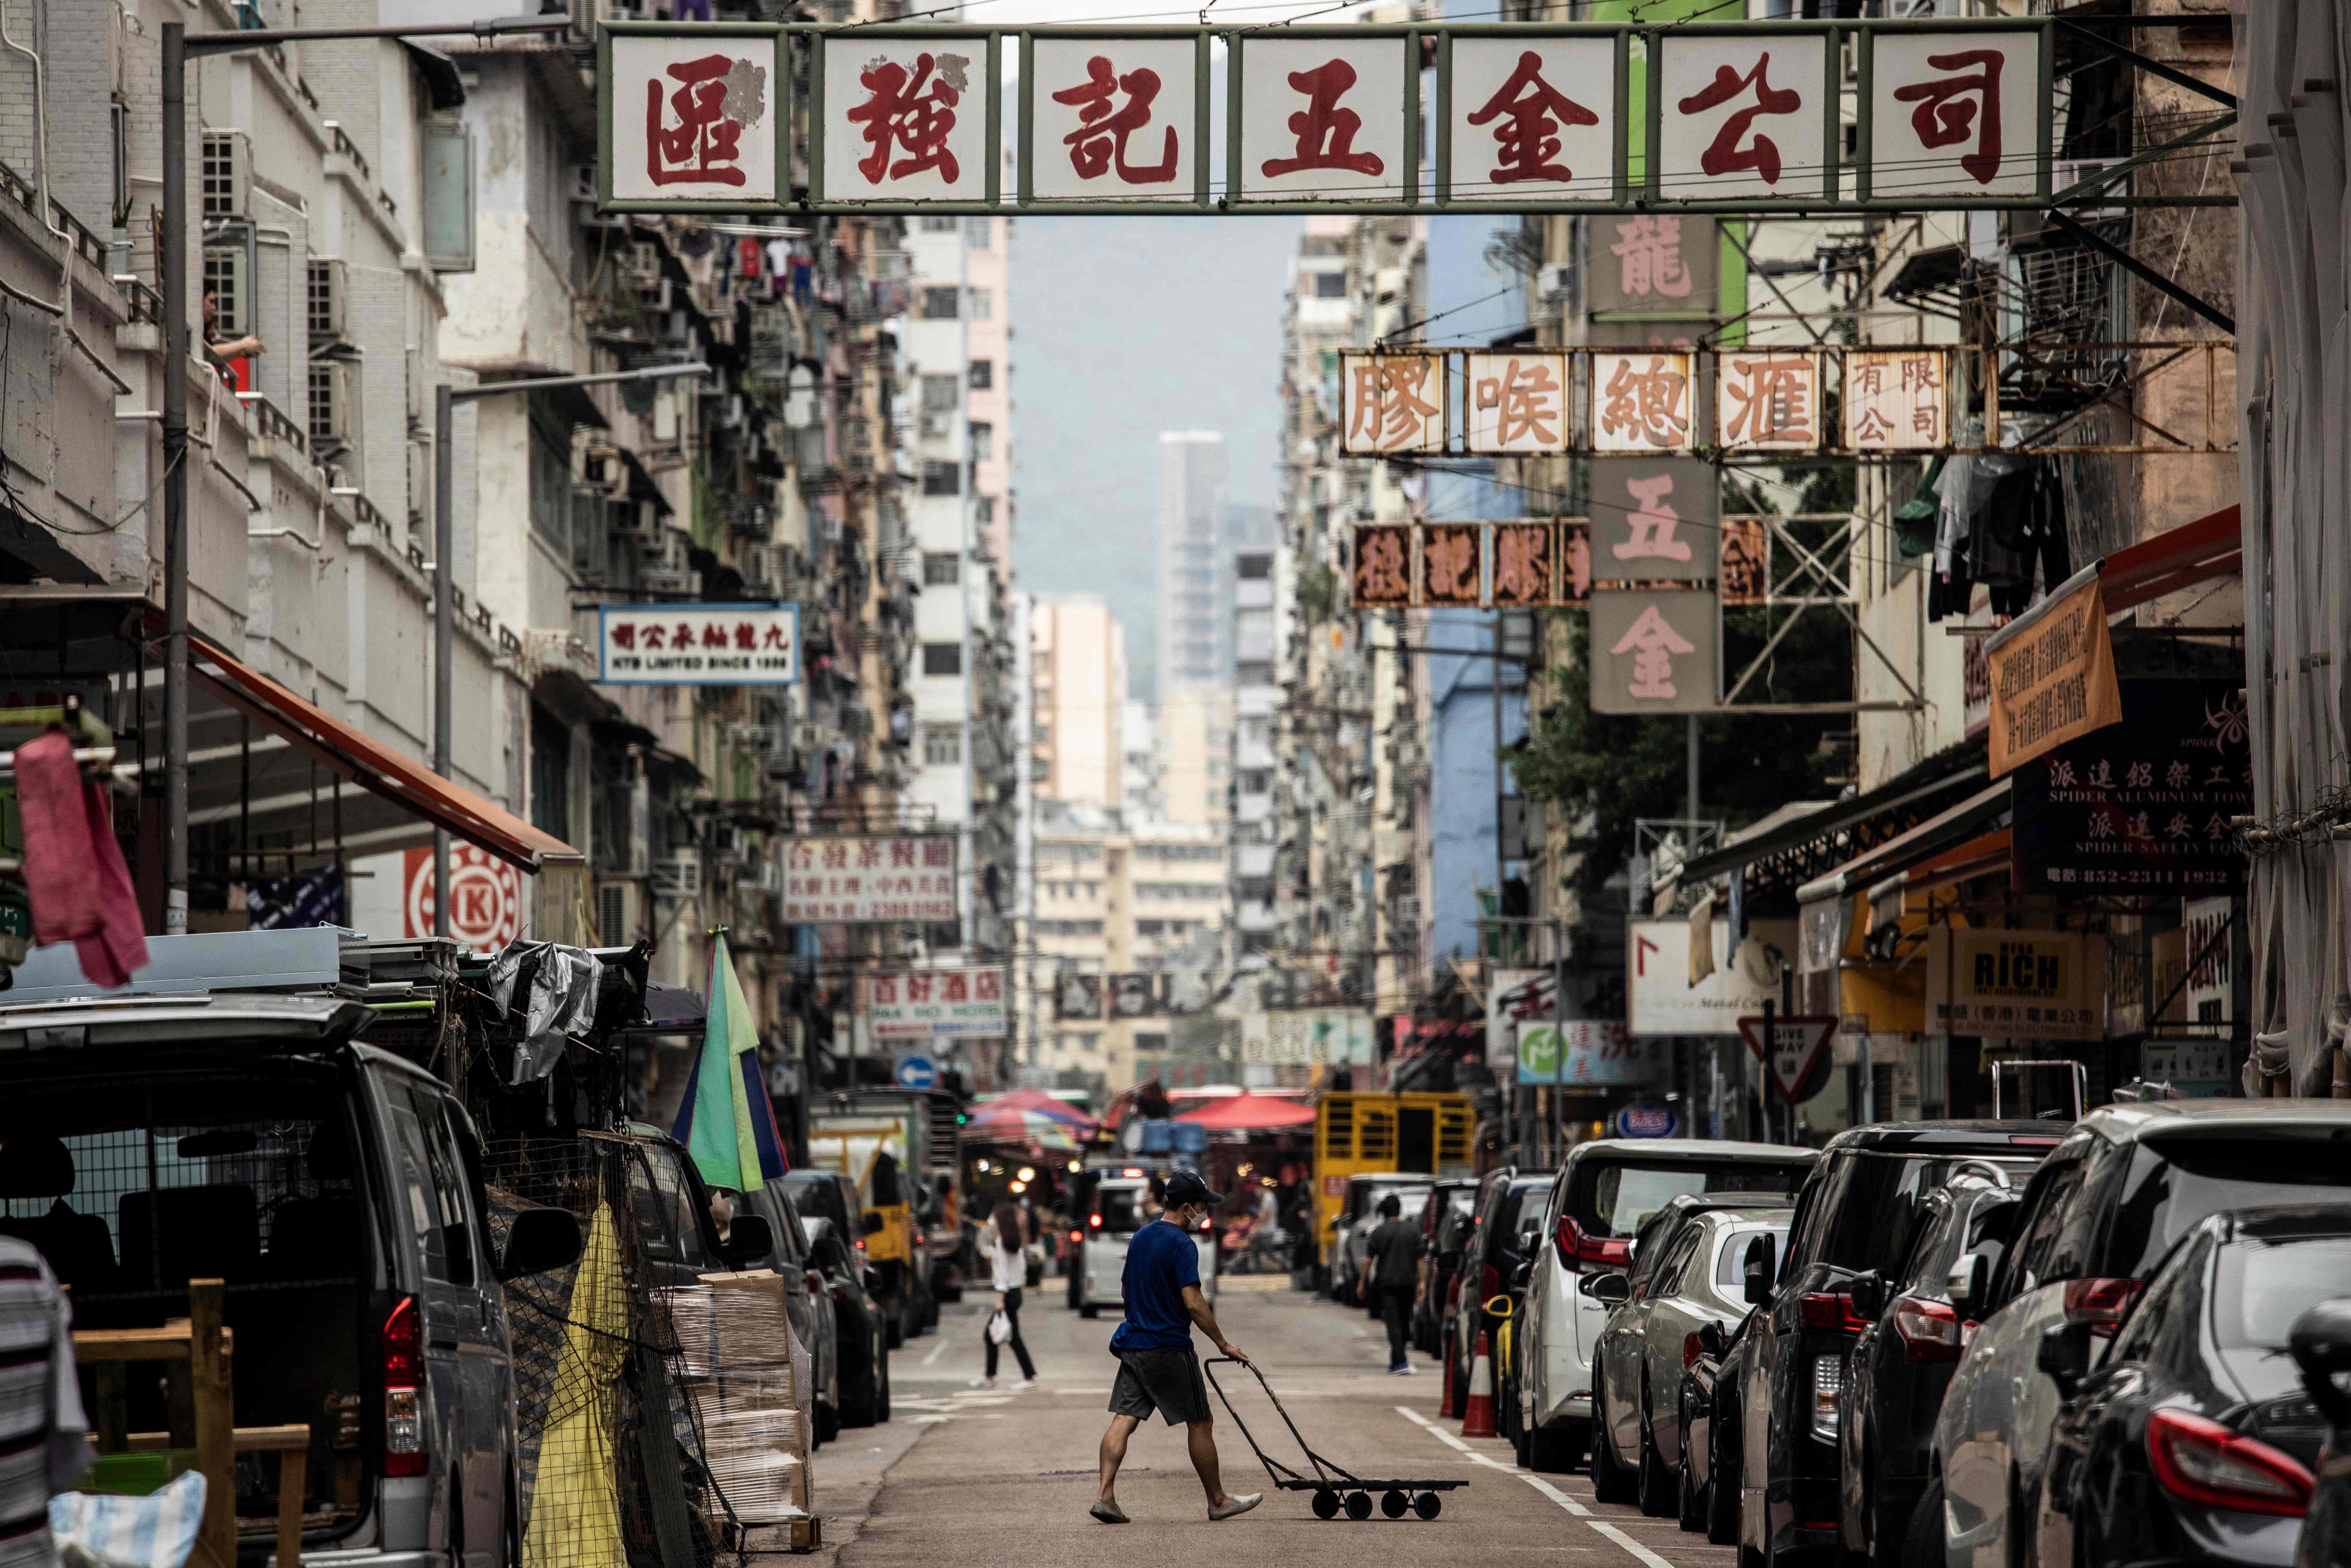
<point x="445" y="554"/>
<point x="177" y="47"/>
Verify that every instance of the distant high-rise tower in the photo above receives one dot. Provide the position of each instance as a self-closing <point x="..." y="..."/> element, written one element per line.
<point x="1193" y="652"/>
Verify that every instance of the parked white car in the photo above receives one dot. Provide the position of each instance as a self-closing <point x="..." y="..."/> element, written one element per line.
<point x="2103" y="1210"/>
<point x="1111" y="1222"/>
<point x="1603" y="1193"/>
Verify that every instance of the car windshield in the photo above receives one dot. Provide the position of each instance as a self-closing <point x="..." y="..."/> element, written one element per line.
<point x="1121" y="1209"/>
<point x="1879" y="1201"/>
<point x="2177" y="1182"/>
<point x="1614" y="1197"/>
<point x="820" y="1196"/>
<point x="1411" y="1197"/>
<point x="2263" y="1288"/>
<point x="1518" y="1218"/>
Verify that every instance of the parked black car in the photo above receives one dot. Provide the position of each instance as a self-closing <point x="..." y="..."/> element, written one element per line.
<point x="1446" y="1221"/>
<point x="825" y="1200"/>
<point x="2321" y="1343"/>
<point x="1902" y="1362"/>
<point x="1857" y="1215"/>
<point x="1709" y="1437"/>
<point x="1499" y="1242"/>
<point x="808" y="1301"/>
<point x="2193" y="1441"/>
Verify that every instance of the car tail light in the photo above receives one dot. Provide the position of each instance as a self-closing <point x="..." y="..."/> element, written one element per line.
<point x="1077" y="1234"/>
<point x="1690" y="1352"/>
<point x="1828" y="1383"/>
<point x="1576" y="1249"/>
<point x="1094" y="1220"/>
<point x="2101" y="1303"/>
<point x="1827" y="1310"/>
<point x="404" y="1383"/>
<point x="2203" y="1462"/>
<point x="1930" y="1330"/>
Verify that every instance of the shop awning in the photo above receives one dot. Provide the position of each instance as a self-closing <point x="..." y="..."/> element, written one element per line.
<point x="1781" y="859"/>
<point x="1953" y="826"/>
<point x="2176" y="559"/>
<point x="374" y="765"/>
<point x="1247" y="1112"/>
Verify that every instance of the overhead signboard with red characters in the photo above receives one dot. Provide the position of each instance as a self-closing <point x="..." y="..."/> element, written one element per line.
<point x="699" y="644"/>
<point x="1399" y="117"/>
<point x="1795" y="1055"/>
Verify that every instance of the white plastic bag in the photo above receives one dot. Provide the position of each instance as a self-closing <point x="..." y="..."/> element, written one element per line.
<point x="999" y="1327"/>
<point x="158" y="1530"/>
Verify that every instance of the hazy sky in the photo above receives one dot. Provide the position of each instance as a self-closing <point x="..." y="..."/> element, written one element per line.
<point x="1124" y="328"/>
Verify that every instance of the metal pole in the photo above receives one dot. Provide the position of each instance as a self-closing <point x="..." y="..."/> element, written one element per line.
<point x="1690" y="785"/>
<point x="174" y="264"/>
<point x="1763" y="1099"/>
<point x="445" y="584"/>
<point x="1558" y="1021"/>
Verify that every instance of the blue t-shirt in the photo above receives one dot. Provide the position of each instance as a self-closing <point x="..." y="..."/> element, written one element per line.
<point x="1160" y="1261"/>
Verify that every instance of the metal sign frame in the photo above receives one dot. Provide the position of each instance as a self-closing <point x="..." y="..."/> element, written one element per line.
<point x="1846" y="185"/>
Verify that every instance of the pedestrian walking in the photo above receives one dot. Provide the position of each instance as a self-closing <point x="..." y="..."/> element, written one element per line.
<point x="1157" y="1369"/>
<point x="1000" y="1240"/>
<point x="1392" y="1262"/>
<point x="42" y="1426"/>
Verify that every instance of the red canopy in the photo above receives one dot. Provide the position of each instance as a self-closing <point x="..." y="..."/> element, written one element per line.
<point x="1247" y="1112"/>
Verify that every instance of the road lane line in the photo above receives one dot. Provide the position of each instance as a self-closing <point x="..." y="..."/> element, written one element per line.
<point x="938" y="1351"/>
<point x="1641" y="1553"/>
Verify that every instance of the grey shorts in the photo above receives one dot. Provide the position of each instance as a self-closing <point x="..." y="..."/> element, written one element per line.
<point x="1166" y="1380"/>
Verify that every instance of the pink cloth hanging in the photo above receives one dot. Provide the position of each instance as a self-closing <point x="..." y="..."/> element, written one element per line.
<point x="81" y="889"/>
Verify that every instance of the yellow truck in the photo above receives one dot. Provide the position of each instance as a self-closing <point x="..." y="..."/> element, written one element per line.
<point x="1371" y="1135"/>
<point x="902" y="1149"/>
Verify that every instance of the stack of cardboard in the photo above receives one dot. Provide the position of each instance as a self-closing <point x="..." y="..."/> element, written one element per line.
<point x="754" y="1401"/>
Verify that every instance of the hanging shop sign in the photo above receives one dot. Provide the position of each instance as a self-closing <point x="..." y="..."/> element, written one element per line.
<point x="1727" y="116"/>
<point x="391" y="897"/>
<point x="943" y="1004"/>
<point x="2016" y="985"/>
<point x="2052" y="674"/>
<point x="1137" y="996"/>
<point x="1655" y="519"/>
<point x="1077" y="998"/>
<point x="1531" y="563"/>
<point x="1647" y="1119"/>
<point x="2142" y="806"/>
<point x="1589" y="1053"/>
<point x="699" y="644"/>
<point x="907" y="876"/>
<point x="1654" y="267"/>
<point x="1661" y="1000"/>
<point x="1655" y="650"/>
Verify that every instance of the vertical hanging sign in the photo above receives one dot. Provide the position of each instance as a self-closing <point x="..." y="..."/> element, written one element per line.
<point x="694" y="121"/>
<point x="908" y="116"/>
<point x="1324" y="114"/>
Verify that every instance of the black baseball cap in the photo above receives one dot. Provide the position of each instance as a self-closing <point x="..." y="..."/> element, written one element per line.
<point x="1182" y="1187"/>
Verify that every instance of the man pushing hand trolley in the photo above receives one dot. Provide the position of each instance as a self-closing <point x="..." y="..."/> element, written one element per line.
<point x="1333" y="1487"/>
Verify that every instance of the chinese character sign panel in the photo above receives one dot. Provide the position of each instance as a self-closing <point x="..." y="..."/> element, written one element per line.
<point x="951" y="1004"/>
<point x="1643" y="403"/>
<point x="1768" y="400"/>
<point x="700" y="644"/>
<point x="1655" y="519"/>
<point x="1518" y="404"/>
<point x="1392" y="402"/>
<point x="2016" y="985"/>
<point x="1743" y="115"/>
<point x="1382" y="579"/>
<point x="694" y="119"/>
<point x="1955" y="114"/>
<point x="1651" y="263"/>
<point x="1113" y="120"/>
<point x="2143" y="806"/>
<point x="905" y="119"/>
<point x="1533" y="118"/>
<point x="1323" y="117"/>
<point x="1653" y="651"/>
<point x="1451" y="568"/>
<point x="1525" y="558"/>
<point x="1896" y="399"/>
<point x="904" y="877"/>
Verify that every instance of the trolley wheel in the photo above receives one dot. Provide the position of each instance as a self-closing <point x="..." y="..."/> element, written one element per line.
<point x="1428" y="1504"/>
<point x="1359" y="1505"/>
<point x="1326" y="1503"/>
<point x="1393" y="1503"/>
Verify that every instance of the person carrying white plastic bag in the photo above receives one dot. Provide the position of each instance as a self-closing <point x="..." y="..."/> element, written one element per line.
<point x="44" y="1434"/>
<point x="1000" y="1240"/>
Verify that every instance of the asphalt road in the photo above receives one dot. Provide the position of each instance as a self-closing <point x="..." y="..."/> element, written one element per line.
<point x="973" y="1476"/>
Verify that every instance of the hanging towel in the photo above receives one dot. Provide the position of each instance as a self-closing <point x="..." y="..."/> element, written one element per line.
<point x="73" y="868"/>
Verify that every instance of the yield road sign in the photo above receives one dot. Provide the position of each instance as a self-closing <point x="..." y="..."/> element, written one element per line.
<point x="1794" y="1055"/>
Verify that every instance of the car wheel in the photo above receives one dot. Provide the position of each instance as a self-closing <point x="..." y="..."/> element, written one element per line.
<point x="882" y="1399"/>
<point x="1656" y="1486"/>
<point x="1722" y="1486"/>
<point x="1522" y="1447"/>
<point x="1922" y="1543"/>
<point x="860" y="1372"/>
<point x="1611" y="1481"/>
<point x="1551" y="1450"/>
<point x="828" y="1421"/>
<point x="1088" y="1309"/>
<point x="1689" y="1502"/>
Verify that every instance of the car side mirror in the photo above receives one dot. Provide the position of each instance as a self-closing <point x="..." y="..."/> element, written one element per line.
<point x="2063" y="1354"/>
<point x="748" y="1241"/>
<point x="1522" y="1275"/>
<point x="1969" y="1282"/>
<point x="2320" y="1342"/>
<point x="1868" y="1292"/>
<point x="1709" y="1339"/>
<point x="872" y="1223"/>
<point x="1610" y="1289"/>
<point x="1755" y="1273"/>
<point x="541" y="1241"/>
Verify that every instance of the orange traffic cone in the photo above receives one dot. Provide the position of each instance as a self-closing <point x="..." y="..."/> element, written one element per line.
<point x="1477" y="1415"/>
<point x="1449" y="1407"/>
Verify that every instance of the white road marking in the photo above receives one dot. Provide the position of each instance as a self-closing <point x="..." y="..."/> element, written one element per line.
<point x="938" y="1351"/>
<point x="1641" y="1553"/>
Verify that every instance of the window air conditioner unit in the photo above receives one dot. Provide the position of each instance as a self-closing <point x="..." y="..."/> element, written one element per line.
<point x="677" y="876"/>
<point x="227" y="176"/>
<point x="328" y="288"/>
<point x="598" y="468"/>
<point x="332" y="418"/>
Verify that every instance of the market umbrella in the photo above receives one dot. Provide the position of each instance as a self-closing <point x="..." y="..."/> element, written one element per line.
<point x="1247" y="1112"/>
<point x="1017" y="1127"/>
<point x="1038" y="1103"/>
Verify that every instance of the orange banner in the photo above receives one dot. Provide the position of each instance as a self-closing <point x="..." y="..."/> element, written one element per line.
<point x="2053" y="675"/>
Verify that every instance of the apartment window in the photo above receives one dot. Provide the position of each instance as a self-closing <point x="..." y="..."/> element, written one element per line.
<point x="975" y="233"/>
<point x="983" y="443"/>
<point x="1329" y="286"/>
<point x="942" y="744"/>
<point x="940" y="304"/>
<point x="1256" y="780"/>
<point x="942" y="658"/>
<point x="942" y="569"/>
<point x="983" y="305"/>
<point x="941" y="478"/>
<point x="1254" y="674"/>
<point x="551" y="773"/>
<point x="550" y="483"/>
<point x="983" y="509"/>
<point x="1089" y="1042"/>
<point x="941" y="394"/>
<point x="983" y="374"/>
<point x="933" y="223"/>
